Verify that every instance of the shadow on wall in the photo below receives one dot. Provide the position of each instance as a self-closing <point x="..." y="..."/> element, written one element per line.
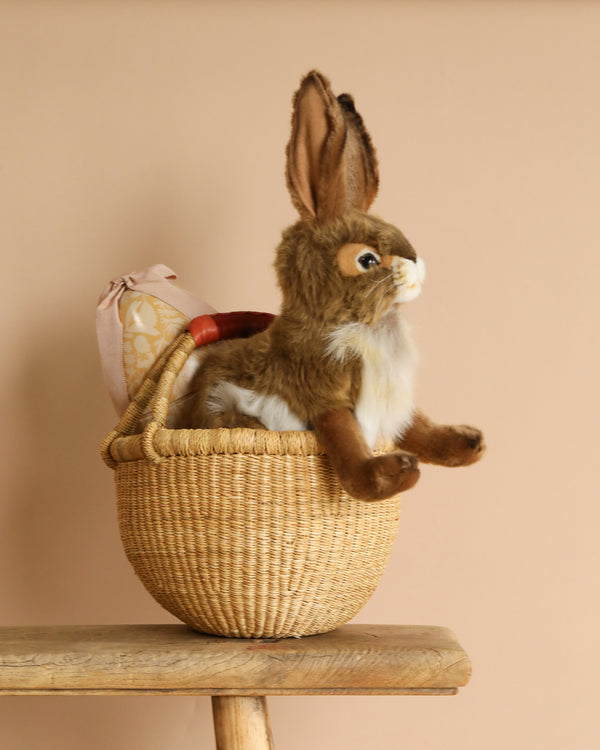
<point x="68" y="566"/>
<point x="98" y="723"/>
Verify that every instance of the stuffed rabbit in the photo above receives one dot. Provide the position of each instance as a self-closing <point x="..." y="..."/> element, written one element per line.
<point x="338" y="358"/>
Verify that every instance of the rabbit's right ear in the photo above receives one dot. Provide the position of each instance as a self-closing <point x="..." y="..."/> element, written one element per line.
<point x="331" y="163"/>
<point x="315" y="153"/>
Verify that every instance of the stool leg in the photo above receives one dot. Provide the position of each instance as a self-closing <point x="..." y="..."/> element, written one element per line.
<point x="241" y="722"/>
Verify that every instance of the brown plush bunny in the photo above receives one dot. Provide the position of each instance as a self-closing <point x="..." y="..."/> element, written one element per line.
<point x="339" y="358"/>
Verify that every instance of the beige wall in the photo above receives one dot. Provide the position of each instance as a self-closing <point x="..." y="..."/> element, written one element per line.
<point x="142" y="132"/>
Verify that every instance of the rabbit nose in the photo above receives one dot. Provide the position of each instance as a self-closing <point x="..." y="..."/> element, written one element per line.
<point x="408" y="266"/>
<point x="409" y="277"/>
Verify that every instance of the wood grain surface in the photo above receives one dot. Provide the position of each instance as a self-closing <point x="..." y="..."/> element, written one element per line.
<point x="242" y="723"/>
<point x="173" y="659"/>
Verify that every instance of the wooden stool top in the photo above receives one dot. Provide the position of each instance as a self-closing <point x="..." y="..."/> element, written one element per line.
<point x="175" y="660"/>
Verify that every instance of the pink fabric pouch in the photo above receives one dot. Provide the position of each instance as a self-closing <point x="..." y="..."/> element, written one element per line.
<point x="138" y="315"/>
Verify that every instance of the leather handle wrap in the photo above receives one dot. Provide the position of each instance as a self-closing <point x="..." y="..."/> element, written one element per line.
<point x="206" y="329"/>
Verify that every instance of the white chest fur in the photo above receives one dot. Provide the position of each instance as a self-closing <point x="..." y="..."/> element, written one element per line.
<point x="389" y="358"/>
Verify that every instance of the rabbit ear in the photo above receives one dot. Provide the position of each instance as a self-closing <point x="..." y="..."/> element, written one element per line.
<point x="362" y="172"/>
<point x="315" y="153"/>
<point x="331" y="163"/>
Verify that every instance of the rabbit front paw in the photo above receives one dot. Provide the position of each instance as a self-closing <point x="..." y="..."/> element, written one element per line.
<point x="381" y="477"/>
<point x="462" y="446"/>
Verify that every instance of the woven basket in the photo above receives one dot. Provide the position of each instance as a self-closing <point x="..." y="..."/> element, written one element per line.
<point x="241" y="533"/>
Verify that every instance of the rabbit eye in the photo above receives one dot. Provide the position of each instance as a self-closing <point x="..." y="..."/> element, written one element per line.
<point x="355" y="259"/>
<point x="367" y="260"/>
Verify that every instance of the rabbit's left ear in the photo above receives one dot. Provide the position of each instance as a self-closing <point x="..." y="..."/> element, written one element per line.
<point x="331" y="163"/>
<point x="362" y="172"/>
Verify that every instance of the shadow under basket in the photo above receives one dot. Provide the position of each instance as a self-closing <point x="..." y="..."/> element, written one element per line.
<point x="238" y="532"/>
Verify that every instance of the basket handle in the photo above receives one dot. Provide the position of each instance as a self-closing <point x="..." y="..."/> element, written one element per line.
<point x="158" y="384"/>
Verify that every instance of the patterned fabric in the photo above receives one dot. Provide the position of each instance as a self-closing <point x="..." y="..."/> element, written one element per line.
<point x="149" y="325"/>
<point x="138" y="315"/>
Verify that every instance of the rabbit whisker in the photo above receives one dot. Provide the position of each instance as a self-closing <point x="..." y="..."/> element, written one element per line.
<point x="383" y="305"/>
<point x="376" y="284"/>
<point x="381" y="308"/>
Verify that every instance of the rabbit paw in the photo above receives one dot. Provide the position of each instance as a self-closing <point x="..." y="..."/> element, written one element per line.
<point x="462" y="445"/>
<point x="388" y="474"/>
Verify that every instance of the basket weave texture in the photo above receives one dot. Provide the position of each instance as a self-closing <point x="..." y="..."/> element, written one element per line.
<point x="242" y="533"/>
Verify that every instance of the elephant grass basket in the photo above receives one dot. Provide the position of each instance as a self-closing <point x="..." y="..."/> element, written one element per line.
<point x="239" y="532"/>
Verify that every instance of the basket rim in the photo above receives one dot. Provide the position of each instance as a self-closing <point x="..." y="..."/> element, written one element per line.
<point x="168" y="442"/>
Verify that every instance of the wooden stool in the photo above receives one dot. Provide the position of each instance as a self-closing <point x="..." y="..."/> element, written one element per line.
<point x="237" y="673"/>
